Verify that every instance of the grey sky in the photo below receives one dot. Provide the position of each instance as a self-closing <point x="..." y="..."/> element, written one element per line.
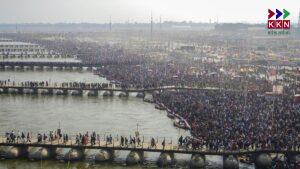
<point x="98" y="11"/>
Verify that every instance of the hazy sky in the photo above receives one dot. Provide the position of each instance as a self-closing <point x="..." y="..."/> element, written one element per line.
<point x="98" y="11"/>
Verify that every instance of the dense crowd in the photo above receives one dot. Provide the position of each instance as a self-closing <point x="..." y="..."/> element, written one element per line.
<point x="180" y="74"/>
<point x="34" y="84"/>
<point x="243" y="117"/>
<point x="235" y="120"/>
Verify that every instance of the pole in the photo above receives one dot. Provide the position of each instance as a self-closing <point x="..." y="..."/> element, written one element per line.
<point x="69" y="161"/>
<point x="246" y="87"/>
<point x="42" y="159"/>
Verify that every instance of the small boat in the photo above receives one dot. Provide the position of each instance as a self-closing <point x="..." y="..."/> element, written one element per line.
<point x="92" y="93"/>
<point x="59" y="92"/>
<point x="106" y="94"/>
<point x="76" y="93"/>
<point x="14" y="92"/>
<point x="122" y="94"/>
<point x="148" y="100"/>
<point x="170" y="115"/>
<point x="181" y="124"/>
<point x="160" y="107"/>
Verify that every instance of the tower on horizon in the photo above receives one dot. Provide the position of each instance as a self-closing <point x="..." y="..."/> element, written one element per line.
<point x="110" y="26"/>
<point x="151" y="25"/>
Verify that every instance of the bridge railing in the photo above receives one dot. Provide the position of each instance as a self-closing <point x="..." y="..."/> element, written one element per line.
<point x="103" y="142"/>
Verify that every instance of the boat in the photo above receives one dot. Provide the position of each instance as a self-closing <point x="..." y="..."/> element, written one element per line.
<point x="148" y="100"/>
<point x="181" y="124"/>
<point x="160" y="107"/>
<point x="171" y="115"/>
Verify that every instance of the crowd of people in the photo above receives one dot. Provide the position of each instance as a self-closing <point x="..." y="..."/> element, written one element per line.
<point x="83" y="139"/>
<point x="236" y="120"/>
<point x="27" y="137"/>
<point x="12" y="137"/>
<point x="35" y="84"/>
<point x="239" y="115"/>
<point x="137" y="69"/>
<point x="180" y="74"/>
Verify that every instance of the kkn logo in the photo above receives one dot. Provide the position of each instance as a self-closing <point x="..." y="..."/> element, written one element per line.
<point x="278" y="23"/>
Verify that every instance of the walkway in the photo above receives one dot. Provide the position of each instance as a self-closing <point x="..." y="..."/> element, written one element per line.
<point x="144" y="146"/>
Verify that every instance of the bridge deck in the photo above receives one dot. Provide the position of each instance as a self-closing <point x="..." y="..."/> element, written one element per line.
<point x="144" y="146"/>
<point x="49" y="63"/>
<point x="105" y="89"/>
<point x="108" y="88"/>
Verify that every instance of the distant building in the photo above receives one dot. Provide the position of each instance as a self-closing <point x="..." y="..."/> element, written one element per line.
<point x="231" y="27"/>
<point x="9" y="48"/>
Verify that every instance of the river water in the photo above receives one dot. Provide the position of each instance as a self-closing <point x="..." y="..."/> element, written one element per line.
<point x="116" y="116"/>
